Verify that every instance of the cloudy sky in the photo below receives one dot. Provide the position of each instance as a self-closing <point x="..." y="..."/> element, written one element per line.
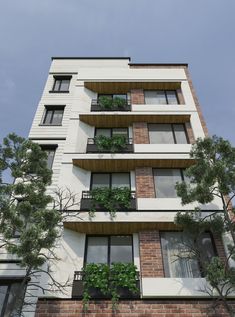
<point x="198" y="32"/>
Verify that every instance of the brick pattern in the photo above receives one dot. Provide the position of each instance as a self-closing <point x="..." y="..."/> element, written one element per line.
<point x="203" y="123"/>
<point x="137" y="96"/>
<point x="135" y="308"/>
<point x="151" y="262"/>
<point x="140" y="133"/>
<point x="220" y="248"/>
<point x="190" y="132"/>
<point x="144" y="182"/>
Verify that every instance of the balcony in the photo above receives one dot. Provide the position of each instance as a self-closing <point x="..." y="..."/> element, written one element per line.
<point x="96" y="105"/>
<point x="95" y="293"/>
<point x="92" y="147"/>
<point x="87" y="203"/>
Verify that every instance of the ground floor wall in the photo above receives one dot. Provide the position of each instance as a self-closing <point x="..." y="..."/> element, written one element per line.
<point x="134" y="308"/>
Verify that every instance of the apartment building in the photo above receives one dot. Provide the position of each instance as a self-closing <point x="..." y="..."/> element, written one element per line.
<point x="154" y="109"/>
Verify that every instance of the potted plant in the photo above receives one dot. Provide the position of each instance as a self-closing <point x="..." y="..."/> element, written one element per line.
<point x="112" y="144"/>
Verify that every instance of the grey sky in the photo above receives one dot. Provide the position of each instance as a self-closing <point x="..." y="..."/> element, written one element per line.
<point x="199" y="32"/>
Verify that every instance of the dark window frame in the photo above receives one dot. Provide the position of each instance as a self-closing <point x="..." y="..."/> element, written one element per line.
<point x="181" y="231"/>
<point x="127" y="129"/>
<point x="167" y="168"/>
<point x="49" y="147"/>
<point x="106" y="95"/>
<point x="8" y="282"/>
<point x="110" y="177"/>
<point x="109" y="245"/>
<point x="53" y="109"/>
<point x="60" y="78"/>
<point x="173" y="132"/>
<point x="165" y="92"/>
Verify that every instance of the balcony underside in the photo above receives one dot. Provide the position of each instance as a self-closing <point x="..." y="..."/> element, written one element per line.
<point x="128" y="164"/>
<point x="122" y="87"/>
<point x="117" y="227"/>
<point x="101" y="120"/>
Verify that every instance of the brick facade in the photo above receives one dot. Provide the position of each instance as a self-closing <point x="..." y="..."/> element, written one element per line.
<point x="140" y="133"/>
<point x="144" y="182"/>
<point x="137" y="96"/>
<point x="151" y="263"/>
<point x="135" y="308"/>
<point x="180" y="97"/>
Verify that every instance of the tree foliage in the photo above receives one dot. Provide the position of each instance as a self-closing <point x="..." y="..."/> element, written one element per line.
<point x="212" y="175"/>
<point x="28" y="228"/>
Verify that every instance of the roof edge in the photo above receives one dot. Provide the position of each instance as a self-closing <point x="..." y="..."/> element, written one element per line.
<point x="83" y="57"/>
<point x="158" y="64"/>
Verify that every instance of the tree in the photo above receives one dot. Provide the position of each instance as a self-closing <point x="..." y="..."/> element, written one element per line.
<point x="28" y="228"/>
<point x="212" y="175"/>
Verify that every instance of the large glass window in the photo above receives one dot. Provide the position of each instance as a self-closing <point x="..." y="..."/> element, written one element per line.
<point x="161" y="133"/>
<point x="113" y="96"/>
<point x="160" y="97"/>
<point x="178" y="255"/>
<point x="109" y="249"/>
<point x="165" y="180"/>
<point x="50" y="151"/>
<point x="110" y="180"/>
<point x="53" y="115"/>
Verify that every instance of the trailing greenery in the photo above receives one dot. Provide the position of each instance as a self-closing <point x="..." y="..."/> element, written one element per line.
<point x="23" y="205"/>
<point x="113" y="144"/>
<point x="108" y="103"/>
<point x="111" y="198"/>
<point x="109" y="280"/>
<point x="212" y="175"/>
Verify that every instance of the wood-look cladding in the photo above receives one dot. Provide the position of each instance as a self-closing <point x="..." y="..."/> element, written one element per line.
<point x="123" y="165"/>
<point x="125" y="87"/>
<point x="118" y="227"/>
<point x="101" y="120"/>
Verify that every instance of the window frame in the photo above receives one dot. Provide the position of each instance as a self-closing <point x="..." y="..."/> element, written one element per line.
<point x="173" y="132"/>
<point x="109" y="245"/>
<point x="50" y="147"/>
<point x="60" y="78"/>
<point x="165" y="93"/>
<point x="127" y="129"/>
<point x="52" y="108"/>
<point x="106" y="95"/>
<point x="199" y="266"/>
<point x="8" y="281"/>
<point x="167" y="168"/>
<point x="110" y="177"/>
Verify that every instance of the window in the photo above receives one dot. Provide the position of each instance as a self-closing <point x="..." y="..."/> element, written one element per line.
<point x="110" y="180"/>
<point x="167" y="133"/>
<point x="61" y="84"/>
<point x="165" y="180"/>
<point x="109" y="249"/>
<point x="50" y="150"/>
<point x="113" y="96"/>
<point x="53" y="115"/>
<point x="178" y="257"/>
<point x="110" y="132"/>
<point x="8" y="289"/>
<point x="161" y="97"/>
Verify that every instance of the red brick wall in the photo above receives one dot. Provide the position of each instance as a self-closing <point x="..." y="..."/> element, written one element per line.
<point x="140" y="133"/>
<point x="137" y="308"/>
<point x="220" y="248"/>
<point x="151" y="264"/>
<point x="137" y="96"/>
<point x="144" y="182"/>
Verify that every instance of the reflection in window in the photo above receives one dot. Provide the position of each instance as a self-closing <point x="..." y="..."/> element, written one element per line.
<point x="161" y="97"/>
<point x="165" y="180"/>
<point x="161" y="133"/>
<point x="110" y="180"/>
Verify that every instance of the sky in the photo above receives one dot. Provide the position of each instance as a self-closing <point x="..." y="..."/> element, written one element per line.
<point x="198" y="32"/>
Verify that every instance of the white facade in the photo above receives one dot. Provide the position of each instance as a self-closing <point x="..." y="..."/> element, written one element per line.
<point x="71" y="140"/>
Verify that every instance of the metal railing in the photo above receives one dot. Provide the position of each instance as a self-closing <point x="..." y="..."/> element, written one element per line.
<point x="87" y="194"/>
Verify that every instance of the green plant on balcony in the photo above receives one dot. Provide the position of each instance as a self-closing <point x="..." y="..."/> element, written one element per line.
<point x="95" y="276"/>
<point x="109" y="280"/>
<point x="108" y="103"/>
<point x="112" y="144"/>
<point x="110" y="199"/>
<point x="105" y="102"/>
<point x="119" y="102"/>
